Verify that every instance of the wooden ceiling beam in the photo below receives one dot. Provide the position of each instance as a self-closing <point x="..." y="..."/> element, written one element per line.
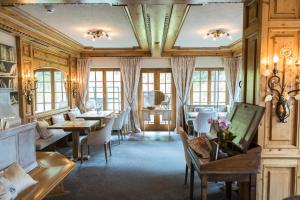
<point x="178" y="15"/>
<point x="136" y="18"/>
<point x="120" y="52"/>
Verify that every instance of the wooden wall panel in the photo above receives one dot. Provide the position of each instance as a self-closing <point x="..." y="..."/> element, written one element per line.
<point x="284" y="175"/>
<point x="276" y="24"/>
<point x="284" y="9"/>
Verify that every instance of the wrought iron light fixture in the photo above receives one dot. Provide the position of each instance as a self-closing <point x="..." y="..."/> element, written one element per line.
<point x="97" y="33"/>
<point x="29" y="87"/>
<point x="278" y="85"/>
<point x="74" y="86"/>
<point x="217" y="33"/>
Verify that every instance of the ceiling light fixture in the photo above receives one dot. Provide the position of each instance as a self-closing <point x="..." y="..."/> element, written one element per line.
<point x="217" y="33"/>
<point x="97" y="33"/>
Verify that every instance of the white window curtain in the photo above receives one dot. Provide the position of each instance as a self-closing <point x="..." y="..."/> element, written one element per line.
<point x="130" y="72"/>
<point x="233" y="72"/>
<point x="83" y="73"/>
<point x="182" y="70"/>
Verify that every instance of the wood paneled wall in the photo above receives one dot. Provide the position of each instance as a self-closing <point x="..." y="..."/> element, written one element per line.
<point x="269" y="25"/>
<point x="32" y="56"/>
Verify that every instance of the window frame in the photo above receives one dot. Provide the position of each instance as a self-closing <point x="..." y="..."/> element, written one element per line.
<point x="52" y="90"/>
<point x="104" y="71"/>
<point x="209" y="89"/>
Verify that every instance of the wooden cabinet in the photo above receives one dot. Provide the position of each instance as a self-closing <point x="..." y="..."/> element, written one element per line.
<point x="268" y="26"/>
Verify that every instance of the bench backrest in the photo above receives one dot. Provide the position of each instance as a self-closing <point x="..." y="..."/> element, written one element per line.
<point x="17" y="145"/>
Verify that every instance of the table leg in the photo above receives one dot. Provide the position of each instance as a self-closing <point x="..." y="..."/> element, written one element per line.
<point x="252" y="187"/>
<point x="244" y="190"/>
<point x="228" y="190"/>
<point x="204" y="187"/>
<point x="192" y="182"/>
<point x="75" y="144"/>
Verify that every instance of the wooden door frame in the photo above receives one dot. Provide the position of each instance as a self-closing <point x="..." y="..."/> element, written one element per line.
<point x="156" y="127"/>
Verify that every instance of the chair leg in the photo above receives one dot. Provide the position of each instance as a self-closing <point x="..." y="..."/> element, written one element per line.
<point x="88" y="149"/>
<point x="186" y="174"/>
<point x="119" y="137"/>
<point x="105" y="151"/>
<point x="109" y="146"/>
<point x="81" y="153"/>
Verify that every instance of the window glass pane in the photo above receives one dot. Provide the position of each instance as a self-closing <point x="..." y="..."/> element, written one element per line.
<point x="47" y="86"/>
<point x="117" y="76"/>
<point x="48" y="107"/>
<point x="39" y="76"/>
<point x="58" y="87"/>
<point x="204" y="76"/>
<point x="151" y="77"/>
<point x="222" y="76"/>
<point x="58" y="76"/>
<point x="99" y="76"/>
<point x="204" y="86"/>
<point x="109" y="76"/>
<point x="92" y="76"/>
<point x="47" y="76"/>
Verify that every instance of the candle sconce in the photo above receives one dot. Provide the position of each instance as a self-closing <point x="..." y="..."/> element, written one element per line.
<point x="74" y="88"/>
<point x="29" y="87"/>
<point x="278" y="85"/>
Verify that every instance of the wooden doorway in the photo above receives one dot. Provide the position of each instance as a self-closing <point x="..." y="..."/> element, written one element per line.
<point x="157" y="79"/>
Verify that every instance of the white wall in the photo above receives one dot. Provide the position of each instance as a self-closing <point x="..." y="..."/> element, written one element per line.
<point x="113" y="62"/>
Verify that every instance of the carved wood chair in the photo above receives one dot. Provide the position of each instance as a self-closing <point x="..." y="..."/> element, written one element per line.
<point x="184" y="137"/>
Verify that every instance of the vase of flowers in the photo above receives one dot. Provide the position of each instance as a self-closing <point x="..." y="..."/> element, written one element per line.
<point x="220" y="129"/>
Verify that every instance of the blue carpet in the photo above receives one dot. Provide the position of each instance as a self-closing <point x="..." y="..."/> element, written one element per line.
<point x="149" y="167"/>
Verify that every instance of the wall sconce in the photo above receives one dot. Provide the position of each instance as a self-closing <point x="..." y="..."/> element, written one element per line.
<point x="29" y="87"/>
<point x="278" y="86"/>
<point x="74" y="88"/>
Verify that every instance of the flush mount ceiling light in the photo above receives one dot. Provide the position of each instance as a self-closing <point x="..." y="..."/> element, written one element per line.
<point x="217" y="33"/>
<point x="97" y="33"/>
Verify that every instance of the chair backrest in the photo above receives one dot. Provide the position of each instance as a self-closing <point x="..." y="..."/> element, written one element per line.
<point x="184" y="137"/>
<point x="103" y="135"/>
<point x="127" y="112"/>
<point x="118" y="124"/>
<point x="90" y="105"/>
<point x="201" y="124"/>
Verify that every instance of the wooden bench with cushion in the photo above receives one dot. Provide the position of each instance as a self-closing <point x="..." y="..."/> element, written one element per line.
<point x="41" y="144"/>
<point x="51" y="171"/>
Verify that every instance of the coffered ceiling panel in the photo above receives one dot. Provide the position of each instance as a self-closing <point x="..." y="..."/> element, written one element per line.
<point x="201" y="19"/>
<point x="74" y="20"/>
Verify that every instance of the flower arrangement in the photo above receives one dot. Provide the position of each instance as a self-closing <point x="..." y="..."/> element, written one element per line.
<point x="220" y="128"/>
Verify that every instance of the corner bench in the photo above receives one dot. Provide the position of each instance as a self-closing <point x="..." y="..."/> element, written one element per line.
<point x="51" y="170"/>
<point x="40" y="144"/>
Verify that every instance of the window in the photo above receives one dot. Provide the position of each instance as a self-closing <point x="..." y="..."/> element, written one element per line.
<point x="105" y="88"/>
<point x="148" y="89"/>
<point x="209" y="87"/>
<point x="50" y="93"/>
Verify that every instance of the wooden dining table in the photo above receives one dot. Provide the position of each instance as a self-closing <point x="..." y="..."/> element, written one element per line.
<point x="76" y="127"/>
<point x="94" y="115"/>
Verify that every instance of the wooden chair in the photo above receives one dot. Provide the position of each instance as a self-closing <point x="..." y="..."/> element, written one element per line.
<point x="184" y="138"/>
<point x="99" y="137"/>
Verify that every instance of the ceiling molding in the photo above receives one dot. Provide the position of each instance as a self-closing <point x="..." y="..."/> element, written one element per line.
<point x="122" y="52"/>
<point x="136" y="17"/>
<point x="33" y="28"/>
<point x="178" y="15"/>
<point x="119" y="2"/>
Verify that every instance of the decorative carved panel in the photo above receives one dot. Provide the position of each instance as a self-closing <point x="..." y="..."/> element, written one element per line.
<point x="279" y="181"/>
<point x="49" y="57"/>
<point x="26" y="49"/>
<point x="284" y="9"/>
<point x="251" y="13"/>
<point x="283" y="135"/>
